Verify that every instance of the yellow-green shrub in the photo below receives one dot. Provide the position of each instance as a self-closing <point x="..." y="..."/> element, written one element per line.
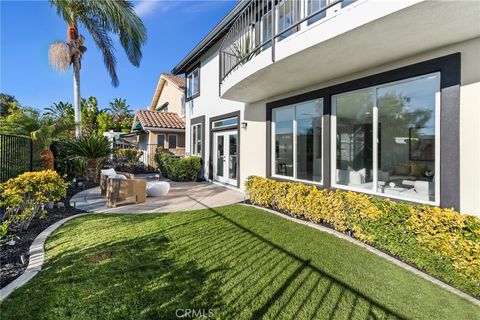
<point x="440" y="241"/>
<point x="26" y="195"/>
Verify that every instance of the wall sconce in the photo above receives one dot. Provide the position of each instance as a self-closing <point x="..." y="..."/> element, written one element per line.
<point x="244" y="125"/>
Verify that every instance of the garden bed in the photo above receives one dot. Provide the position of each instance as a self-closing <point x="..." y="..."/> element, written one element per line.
<point x="11" y="265"/>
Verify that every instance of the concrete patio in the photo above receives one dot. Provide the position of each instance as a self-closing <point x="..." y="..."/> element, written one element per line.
<point x="182" y="196"/>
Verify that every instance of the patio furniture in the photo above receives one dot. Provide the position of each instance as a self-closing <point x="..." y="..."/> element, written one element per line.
<point x="157" y="188"/>
<point x="118" y="190"/>
<point x="106" y="173"/>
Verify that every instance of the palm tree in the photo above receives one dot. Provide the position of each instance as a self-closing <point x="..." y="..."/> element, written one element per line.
<point x="100" y="18"/>
<point x="93" y="150"/>
<point x="60" y="110"/>
<point x="119" y="109"/>
<point x="44" y="137"/>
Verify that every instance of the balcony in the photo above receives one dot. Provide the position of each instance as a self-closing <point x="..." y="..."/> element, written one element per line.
<point x="302" y="43"/>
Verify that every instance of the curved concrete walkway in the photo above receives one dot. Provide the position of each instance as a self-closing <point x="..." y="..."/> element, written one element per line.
<point x="182" y="196"/>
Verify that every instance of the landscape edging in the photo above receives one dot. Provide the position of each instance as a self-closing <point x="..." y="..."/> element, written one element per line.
<point x="375" y="251"/>
<point x="36" y="258"/>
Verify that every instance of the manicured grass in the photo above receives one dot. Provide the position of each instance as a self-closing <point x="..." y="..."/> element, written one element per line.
<point x="241" y="262"/>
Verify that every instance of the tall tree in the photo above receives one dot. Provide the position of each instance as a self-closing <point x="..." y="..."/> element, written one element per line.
<point x="60" y="110"/>
<point x="7" y="103"/>
<point x="89" y="114"/>
<point x="100" y="19"/>
<point x="119" y="109"/>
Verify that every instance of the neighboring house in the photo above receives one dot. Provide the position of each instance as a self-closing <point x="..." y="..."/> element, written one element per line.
<point x="379" y="97"/>
<point x="163" y="124"/>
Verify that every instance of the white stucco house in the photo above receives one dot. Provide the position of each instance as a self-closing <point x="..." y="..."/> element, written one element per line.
<point x="379" y="97"/>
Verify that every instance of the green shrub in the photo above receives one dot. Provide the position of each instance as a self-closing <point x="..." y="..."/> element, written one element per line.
<point x="442" y="242"/>
<point x="26" y="195"/>
<point x="178" y="169"/>
<point x="93" y="150"/>
<point x="128" y="155"/>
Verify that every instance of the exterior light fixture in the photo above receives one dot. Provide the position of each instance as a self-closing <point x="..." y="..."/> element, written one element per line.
<point x="244" y="125"/>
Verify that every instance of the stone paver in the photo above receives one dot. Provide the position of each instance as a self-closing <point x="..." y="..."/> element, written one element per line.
<point x="182" y="196"/>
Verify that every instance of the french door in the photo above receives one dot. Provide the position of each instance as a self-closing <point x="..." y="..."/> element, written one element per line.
<point x="225" y="158"/>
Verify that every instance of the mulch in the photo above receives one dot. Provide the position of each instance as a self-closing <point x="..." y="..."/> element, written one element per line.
<point x="11" y="265"/>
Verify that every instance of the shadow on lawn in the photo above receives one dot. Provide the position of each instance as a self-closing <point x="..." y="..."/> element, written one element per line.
<point x="134" y="279"/>
<point x="272" y="282"/>
<point x="203" y="260"/>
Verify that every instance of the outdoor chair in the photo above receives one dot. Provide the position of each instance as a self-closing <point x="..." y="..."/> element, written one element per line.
<point x="105" y="174"/>
<point x="118" y="190"/>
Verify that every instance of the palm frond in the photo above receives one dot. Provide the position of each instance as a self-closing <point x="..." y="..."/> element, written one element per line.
<point x="103" y="17"/>
<point x="59" y="56"/>
<point x="119" y="17"/>
<point x="104" y="43"/>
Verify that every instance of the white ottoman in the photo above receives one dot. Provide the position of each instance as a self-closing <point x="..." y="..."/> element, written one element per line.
<point x="157" y="188"/>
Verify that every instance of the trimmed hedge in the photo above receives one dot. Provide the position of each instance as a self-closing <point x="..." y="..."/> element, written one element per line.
<point x="25" y="196"/>
<point x="443" y="242"/>
<point x="178" y="169"/>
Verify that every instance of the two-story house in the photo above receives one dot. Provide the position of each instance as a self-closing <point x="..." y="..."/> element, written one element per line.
<point x="379" y="97"/>
<point x="163" y="123"/>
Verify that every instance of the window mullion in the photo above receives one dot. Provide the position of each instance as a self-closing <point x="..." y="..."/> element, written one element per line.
<point x="295" y="143"/>
<point x="375" y="142"/>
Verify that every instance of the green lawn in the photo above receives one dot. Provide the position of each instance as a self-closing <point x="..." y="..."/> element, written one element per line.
<point x="241" y="262"/>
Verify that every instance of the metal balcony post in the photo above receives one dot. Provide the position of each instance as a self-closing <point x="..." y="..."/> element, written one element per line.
<point x="273" y="30"/>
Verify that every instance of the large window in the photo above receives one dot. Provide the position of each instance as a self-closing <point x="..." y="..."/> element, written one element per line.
<point x="385" y="139"/>
<point x="193" y="83"/>
<point x="196" y="143"/>
<point x="297" y="141"/>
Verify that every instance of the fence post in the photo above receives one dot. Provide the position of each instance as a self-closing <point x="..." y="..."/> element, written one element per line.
<point x="31" y="154"/>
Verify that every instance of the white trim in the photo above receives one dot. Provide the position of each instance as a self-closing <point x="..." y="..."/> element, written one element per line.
<point x="154" y="129"/>
<point x="375" y="142"/>
<point x="193" y="143"/>
<point x="226" y="154"/>
<point x="191" y="74"/>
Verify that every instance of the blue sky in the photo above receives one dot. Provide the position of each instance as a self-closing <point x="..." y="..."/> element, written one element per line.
<point x="29" y="27"/>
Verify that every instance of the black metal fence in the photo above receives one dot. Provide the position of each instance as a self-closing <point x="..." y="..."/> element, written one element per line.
<point x="16" y="156"/>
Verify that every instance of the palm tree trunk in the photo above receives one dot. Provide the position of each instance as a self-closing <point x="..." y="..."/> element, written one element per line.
<point x="76" y="96"/>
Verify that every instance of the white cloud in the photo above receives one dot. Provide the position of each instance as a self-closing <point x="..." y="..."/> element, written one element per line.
<point x="147" y="7"/>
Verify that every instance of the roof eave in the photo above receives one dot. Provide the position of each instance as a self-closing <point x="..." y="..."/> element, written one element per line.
<point x="213" y="35"/>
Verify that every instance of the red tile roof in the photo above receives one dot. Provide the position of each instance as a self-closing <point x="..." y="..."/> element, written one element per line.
<point x="178" y="81"/>
<point x="159" y="119"/>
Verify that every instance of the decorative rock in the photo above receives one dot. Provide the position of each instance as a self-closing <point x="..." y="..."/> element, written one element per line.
<point x="11" y="242"/>
<point x="60" y="205"/>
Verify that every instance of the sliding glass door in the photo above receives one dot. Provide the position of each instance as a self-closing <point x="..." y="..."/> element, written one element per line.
<point x="385" y="139"/>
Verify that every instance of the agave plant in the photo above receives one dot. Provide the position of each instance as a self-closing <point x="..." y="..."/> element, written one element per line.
<point x="93" y="149"/>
